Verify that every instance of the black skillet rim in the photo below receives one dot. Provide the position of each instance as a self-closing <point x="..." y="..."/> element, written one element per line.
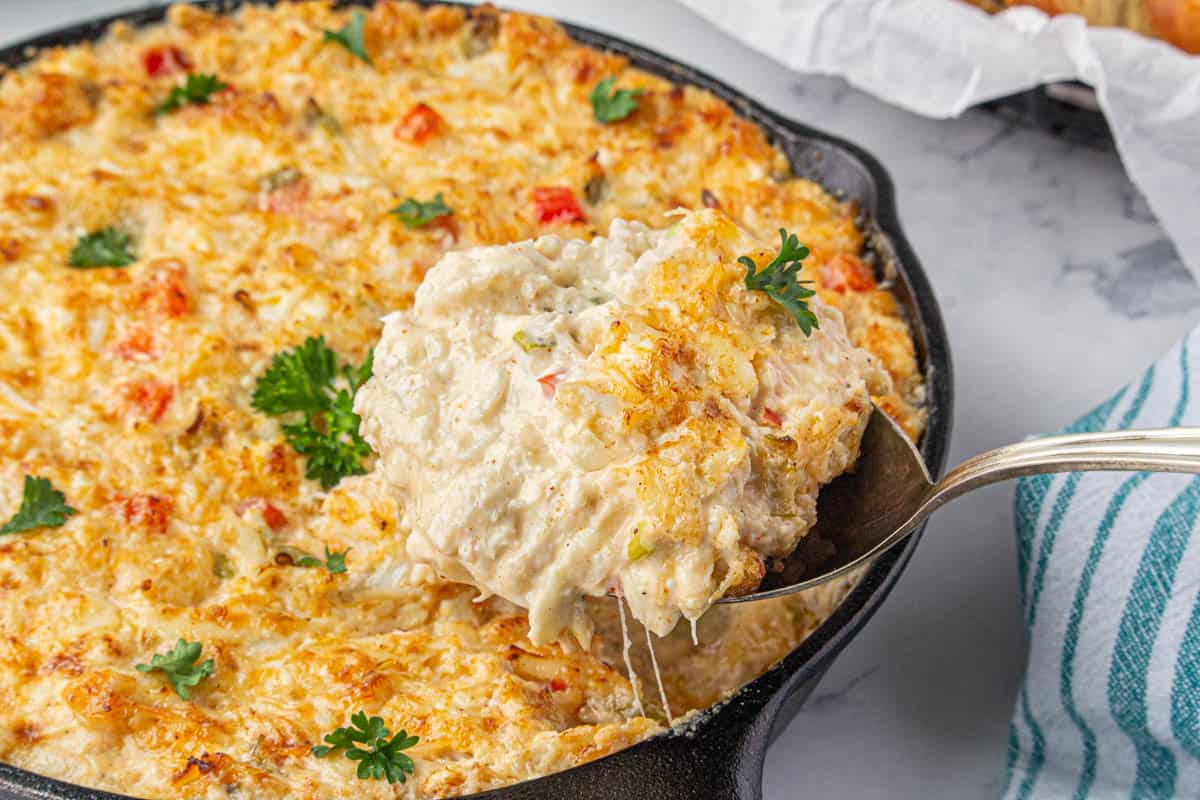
<point x="885" y="236"/>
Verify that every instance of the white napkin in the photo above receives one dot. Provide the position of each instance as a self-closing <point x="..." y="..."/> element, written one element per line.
<point x="940" y="57"/>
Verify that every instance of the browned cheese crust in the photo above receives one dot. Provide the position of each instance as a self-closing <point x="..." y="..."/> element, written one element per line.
<point x="129" y="388"/>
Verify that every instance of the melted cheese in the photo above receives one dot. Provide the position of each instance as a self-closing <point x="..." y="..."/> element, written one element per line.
<point x="130" y="390"/>
<point x="565" y="418"/>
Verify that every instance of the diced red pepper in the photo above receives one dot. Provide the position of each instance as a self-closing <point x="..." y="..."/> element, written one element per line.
<point x="274" y="518"/>
<point x="844" y="273"/>
<point x="558" y="685"/>
<point x="549" y="382"/>
<point x="166" y="292"/>
<point x="772" y="417"/>
<point x="556" y="204"/>
<point x="165" y="61"/>
<point x="271" y="515"/>
<point x="146" y="511"/>
<point x="150" y="397"/>
<point x="420" y="123"/>
<point x="137" y="346"/>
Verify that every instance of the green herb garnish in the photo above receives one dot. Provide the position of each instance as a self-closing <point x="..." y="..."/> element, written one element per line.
<point x="302" y="381"/>
<point x="367" y="743"/>
<point x="42" y="506"/>
<point x="778" y="280"/>
<point x="180" y="665"/>
<point x="530" y="343"/>
<point x="351" y="36"/>
<point x="611" y="106"/>
<point x="107" y="247"/>
<point x="335" y="452"/>
<point x="415" y="214"/>
<point x="198" y="90"/>
<point x="315" y="116"/>
<point x="279" y="179"/>
<point x="335" y="561"/>
<point x="221" y="566"/>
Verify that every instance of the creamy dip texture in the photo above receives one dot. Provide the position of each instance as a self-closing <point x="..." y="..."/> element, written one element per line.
<point x="566" y="418"/>
<point x="260" y="220"/>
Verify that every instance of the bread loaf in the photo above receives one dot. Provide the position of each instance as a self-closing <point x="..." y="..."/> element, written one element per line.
<point x="1175" y="21"/>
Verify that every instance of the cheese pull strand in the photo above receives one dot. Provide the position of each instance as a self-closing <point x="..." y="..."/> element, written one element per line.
<point x="634" y="680"/>
<point x="662" y="692"/>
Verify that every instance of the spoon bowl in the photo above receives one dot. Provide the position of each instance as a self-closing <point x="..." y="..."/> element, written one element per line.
<point x="887" y="496"/>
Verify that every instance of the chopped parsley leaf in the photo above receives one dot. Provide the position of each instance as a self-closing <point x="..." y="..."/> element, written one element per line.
<point x="335" y="561"/>
<point x="302" y="381"/>
<point x="336" y="452"/>
<point x="351" y="36"/>
<point x="779" y="280"/>
<point x="415" y="214"/>
<point x="42" y="506"/>
<point x="297" y="380"/>
<point x="611" y="106"/>
<point x="106" y="247"/>
<point x="180" y="665"/>
<point x="367" y="743"/>
<point x="198" y="90"/>
<point x="357" y="377"/>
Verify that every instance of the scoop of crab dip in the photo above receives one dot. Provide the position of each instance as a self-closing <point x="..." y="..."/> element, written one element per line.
<point x="564" y="418"/>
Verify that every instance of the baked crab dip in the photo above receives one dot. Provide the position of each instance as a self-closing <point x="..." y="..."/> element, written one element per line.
<point x="208" y="587"/>
<point x="625" y="415"/>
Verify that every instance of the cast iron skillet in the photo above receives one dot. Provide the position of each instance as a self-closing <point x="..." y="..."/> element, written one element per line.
<point x="720" y="756"/>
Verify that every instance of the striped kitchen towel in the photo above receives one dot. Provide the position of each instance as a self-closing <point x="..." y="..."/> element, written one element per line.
<point x="1110" y="574"/>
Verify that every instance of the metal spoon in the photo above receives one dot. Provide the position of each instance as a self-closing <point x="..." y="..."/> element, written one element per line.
<point x="890" y="493"/>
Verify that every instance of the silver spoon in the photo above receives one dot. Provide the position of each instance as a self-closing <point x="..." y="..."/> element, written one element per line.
<point x="862" y="514"/>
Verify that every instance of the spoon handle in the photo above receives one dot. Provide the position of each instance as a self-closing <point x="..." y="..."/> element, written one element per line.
<point x="1157" y="450"/>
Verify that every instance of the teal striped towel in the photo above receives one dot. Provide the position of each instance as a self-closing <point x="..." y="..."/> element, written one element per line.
<point x="1110" y="570"/>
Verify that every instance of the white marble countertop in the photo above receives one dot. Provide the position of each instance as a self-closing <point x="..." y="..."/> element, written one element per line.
<point x="1057" y="286"/>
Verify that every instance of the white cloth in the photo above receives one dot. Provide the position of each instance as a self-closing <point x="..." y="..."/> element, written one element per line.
<point x="940" y="57"/>
<point x="1110" y="572"/>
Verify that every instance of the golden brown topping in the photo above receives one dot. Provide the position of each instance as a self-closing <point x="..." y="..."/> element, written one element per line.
<point x="481" y="30"/>
<point x="48" y="104"/>
<point x="31" y="203"/>
<point x="845" y="273"/>
<point x="10" y="248"/>
<point x="88" y="359"/>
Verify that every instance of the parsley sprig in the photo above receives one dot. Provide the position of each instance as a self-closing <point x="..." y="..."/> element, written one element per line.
<point x="335" y="561"/>
<point x="415" y="214"/>
<point x="180" y="665"/>
<point x="351" y="36"/>
<point x="106" y="247"/>
<point x="198" y="90"/>
<point x="367" y="743"/>
<point x="42" y="506"/>
<point x="304" y="381"/>
<point x="611" y="106"/>
<point x="779" y="280"/>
